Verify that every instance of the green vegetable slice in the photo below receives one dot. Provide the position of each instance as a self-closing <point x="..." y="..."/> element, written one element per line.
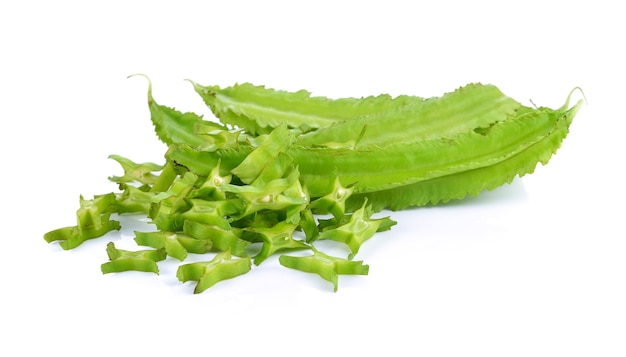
<point x="222" y="239"/>
<point x="334" y="202"/>
<point x="278" y="237"/>
<point x="176" y="245"/>
<point x="264" y="156"/>
<point x="143" y="173"/>
<point x="125" y="260"/>
<point x="223" y="266"/>
<point x="356" y="231"/>
<point x="94" y="220"/>
<point x="327" y="267"/>
<point x="134" y="199"/>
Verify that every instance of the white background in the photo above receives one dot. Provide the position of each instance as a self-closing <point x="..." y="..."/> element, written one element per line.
<point x="535" y="268"/>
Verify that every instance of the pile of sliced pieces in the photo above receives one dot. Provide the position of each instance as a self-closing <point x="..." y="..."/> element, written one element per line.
<point x="281" y="171"/>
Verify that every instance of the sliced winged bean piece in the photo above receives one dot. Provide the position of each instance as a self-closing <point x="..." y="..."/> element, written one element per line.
<point x="216" y="138"/>
<point x="254" y="164"/>
<point x="277" y="195"/>
<point x="274" y="169"/>
<point x="166" y="214"/>
<point x="167" y="208"/>
<point x="278" y="237"/>
<point x="210" y="188"/>
<point x="334" y="202"/>
<point x="176" y="245"/>
<point x="91" y="212"/>
<point x="165" y="179"/>
<point x="93" y="220"/>
<point x="261" y="219"/>
<point x="223" y="266"/>
<point x="133" y="200"/>
<point x="385" y="222"/>
<point x="222" y="239"/>
<point x="143" y="173"/>
<point x="356" y="231"/>
<point x="125" y="260"/>
<point x="327" y="267"/>
<point x="213" y="212"/>
<point x="309" y="225"/>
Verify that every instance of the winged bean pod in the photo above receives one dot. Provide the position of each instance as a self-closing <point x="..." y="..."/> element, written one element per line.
<point x="372" y="169"/>
<point x="472" y="182"/>
<point x="472" y="107"/>
<point x="259" y="110"/>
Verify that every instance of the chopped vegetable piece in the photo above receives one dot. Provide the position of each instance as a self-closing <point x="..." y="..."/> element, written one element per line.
<point x="134" y="199"/>
<point x="222" y="239"/>
<point x="134" y="172"/>
<point x="329" y="268"/>
<point x="354" y="233"/>
<point x="176" y="245"/>
<point x="252" y="167"/>
<point x="94" y="220"/>
<point x="207" y="274"/>
<point x="334" y="202"/>
<point x="277" y="238"/>
<point x="125" y="260"/>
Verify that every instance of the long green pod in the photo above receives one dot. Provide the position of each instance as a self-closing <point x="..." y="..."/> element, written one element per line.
<point x="472" y="182"/>
<point x="472" y="107"/>
<point x="439" y="162"/>
<point x="477" y="143"/>
<point x="258" y="110"/>
<point x="373" y="169"/>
